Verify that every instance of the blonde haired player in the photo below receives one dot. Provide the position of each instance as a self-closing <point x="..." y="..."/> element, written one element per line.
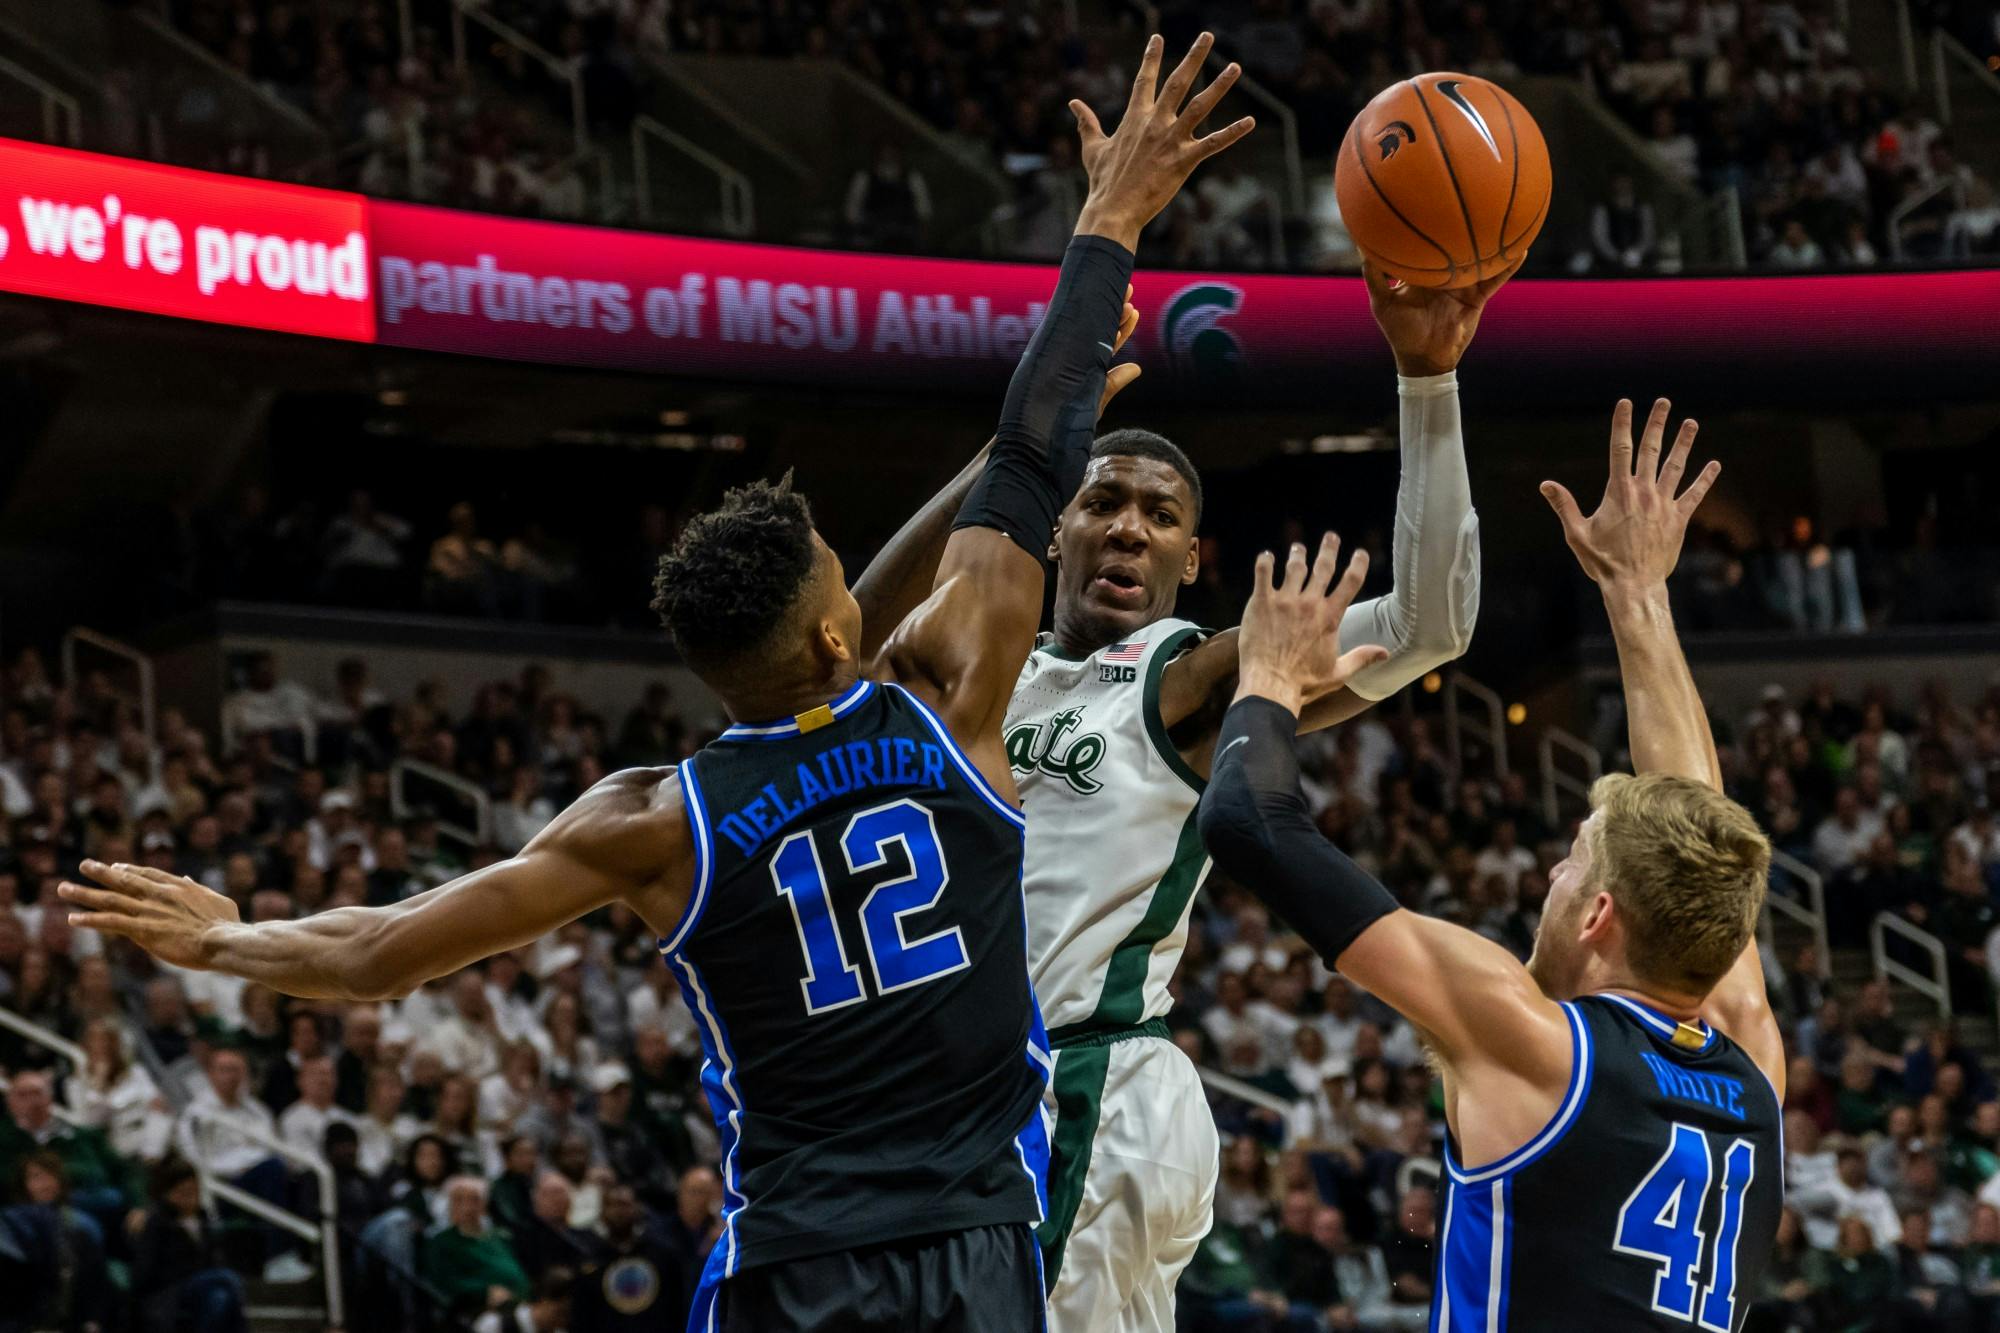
<point x="1616" y="1153"/>
<point x="1109" y="735"/>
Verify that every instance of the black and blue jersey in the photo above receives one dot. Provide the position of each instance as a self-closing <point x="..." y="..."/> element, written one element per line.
<point x="855" y="956"/>
<point x="1650" y="1200"/>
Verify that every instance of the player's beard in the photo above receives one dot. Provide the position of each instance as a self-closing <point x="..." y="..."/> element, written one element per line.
<point x="1553" y="962"/>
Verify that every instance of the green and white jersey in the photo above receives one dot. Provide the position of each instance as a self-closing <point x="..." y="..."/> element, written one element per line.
<point x="1113" y="854"/>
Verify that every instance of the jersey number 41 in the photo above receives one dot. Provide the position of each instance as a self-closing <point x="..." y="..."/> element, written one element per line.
<point x="1661" y="1221"/>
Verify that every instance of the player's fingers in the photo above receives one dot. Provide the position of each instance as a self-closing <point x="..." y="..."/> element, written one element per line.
<point x="102" y="900"/>
<point x="1563" y="503"/>
<point x="1381" y="286"/>
<point x="1182" y="78"/>
<point x="1209" y="145"/>
<point x="1116" y="380"/>
<point x="1621" y="439"/>
<point x="1295" y="568"/>
<point x="1325" y="564"/>
<point x="1147" y="81"/>
<point x="1266" y="562"/>
<point x="120" y="878"/>
<point x="1493" y="284"/>
<point x="1088" y="129"/>
<point x="1356" y="660"/>
<point x="1677" y="457"/>
<point x="1651" y="439"/>
<point x="1204" y="101"/>
<point x="104" y="923"/>
<point x="1128" y="324"/>
<point x="1691" y="498"/>
<point x="1350" y="583"/>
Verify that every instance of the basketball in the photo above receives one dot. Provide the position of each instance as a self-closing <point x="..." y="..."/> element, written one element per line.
<point x="1443" y="180"/>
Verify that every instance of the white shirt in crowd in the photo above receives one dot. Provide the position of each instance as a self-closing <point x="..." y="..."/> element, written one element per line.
<point x="668" y="1011"/>
<point x="1823" y="1208"/>
<point x="303" y="1127"/>
<point x="1836" y="847"/>
<point x="1251" y="1042"/>
<point x="130" y="1113"/>
<point x="207" y="1132"/>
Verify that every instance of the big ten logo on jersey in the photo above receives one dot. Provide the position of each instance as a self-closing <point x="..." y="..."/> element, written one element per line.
<point x="1111" y="674"/>
<point x="1033" y="747"/>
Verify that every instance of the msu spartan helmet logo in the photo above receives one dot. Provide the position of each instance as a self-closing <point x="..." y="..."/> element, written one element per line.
<point x="1203" y="352"/>
<point x="1391" y="137"/>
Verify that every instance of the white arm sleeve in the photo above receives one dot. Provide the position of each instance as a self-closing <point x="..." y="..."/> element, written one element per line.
<point x="1426" y="620"/>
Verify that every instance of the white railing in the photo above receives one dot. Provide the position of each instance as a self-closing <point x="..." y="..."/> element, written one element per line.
<point x="1230" y="1086"/>
<point x="1495" y="726"/>
<point x="561" y="70"/>
<point x="1947" y="50"/>
<point x="1906" y="39"/>
<point x="104" y="643"/>
<point x="478" y="835"/>
<point x="58" y="106"/>
<point x="325" y="1233"/>
<point x="1942" y="185"/>
<point x="1810" y="914"/>
<point x="1935" y="987"/>
<point x="1555" y="782"/>
<point x="1728" y="206"/>
<point x="739" y="200"/>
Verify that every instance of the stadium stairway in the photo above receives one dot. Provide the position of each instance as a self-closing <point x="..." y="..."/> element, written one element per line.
<point x="1951" y="83"/>
<point x="1854" y="968"/>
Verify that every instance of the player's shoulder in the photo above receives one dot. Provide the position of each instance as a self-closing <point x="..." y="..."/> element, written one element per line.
<point x="631" y="795"/>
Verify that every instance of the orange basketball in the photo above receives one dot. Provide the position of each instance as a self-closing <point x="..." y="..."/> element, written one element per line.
<point x="1443" y="180"/>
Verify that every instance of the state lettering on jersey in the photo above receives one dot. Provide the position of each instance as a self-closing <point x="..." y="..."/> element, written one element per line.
<point x="888" y="761"/>
<point x="1032" y="746"/>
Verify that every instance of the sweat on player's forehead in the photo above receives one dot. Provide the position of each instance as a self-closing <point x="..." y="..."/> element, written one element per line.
<point x="1126" y="476"/>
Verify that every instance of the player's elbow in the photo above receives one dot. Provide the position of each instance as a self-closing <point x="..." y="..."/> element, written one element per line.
<point x="1235" y="831"/>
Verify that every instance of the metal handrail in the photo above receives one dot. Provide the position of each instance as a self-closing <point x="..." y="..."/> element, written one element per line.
<point x="477" y="836"/>
<point x="222" y="69"/>
<point x="1554" y="781"/>
<point x="117" y="648"/>
<point x="1909" y="206"/>
<point x="324" y="1233"/>
<point x="1459" y="683"/>
<point x="1906" y="38"/>
<point x="1244" y="1092"/>
<point x="739" y="199"/>
<point x="561" y="70"/>
<point x="1728" y="203"/>
<point x="54" y="100"/>
<point x="1811" y="913"/>
<point x="1938" y="75"/>
<point x="1288" y="121"/>
<point x="43" y="1037"/>
<point x="1937" y="986"/>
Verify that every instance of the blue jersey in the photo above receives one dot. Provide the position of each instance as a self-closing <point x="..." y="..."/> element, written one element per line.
<point x="855" y="956"/>
<point x="1650" y="1201"/>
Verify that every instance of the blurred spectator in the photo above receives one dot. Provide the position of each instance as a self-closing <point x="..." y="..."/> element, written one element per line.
<point x="546" y="1240"/>
<point x="95" y="1178"/>
<point x="467" y="1260"/>
<point x="65" y="1283"/>
<point x="1622" y="232"/>
<point x="462" y="575"/>
<point x="179" y="1278"/>
<point x="888" y="203"/>
<point x="638" y="1282"/>
<point x="119" y="1099"/>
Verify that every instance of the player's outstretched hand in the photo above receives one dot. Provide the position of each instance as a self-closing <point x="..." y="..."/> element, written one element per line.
<point x="1289" y="648"/>
<point x="1136" y="171"/>
<point x="1635" y="535"/>
<point x="1122" y="374"/>
<point x="166" y="915"/>
<point x="1429" y="328"/>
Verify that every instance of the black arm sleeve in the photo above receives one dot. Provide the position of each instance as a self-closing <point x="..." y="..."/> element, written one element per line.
<point x="1050" y="416"/>
<point x="1254" y="820"/>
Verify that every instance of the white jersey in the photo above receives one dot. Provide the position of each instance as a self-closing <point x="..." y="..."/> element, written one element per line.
<point x="1113" y="854"/>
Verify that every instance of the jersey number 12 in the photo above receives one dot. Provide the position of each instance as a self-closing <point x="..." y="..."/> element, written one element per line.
<point x="1661" y="1221"/>
<point x="896" y="962"/>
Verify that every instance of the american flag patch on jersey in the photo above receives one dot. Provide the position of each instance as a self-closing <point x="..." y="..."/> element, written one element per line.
<point x="1123" y="652"/>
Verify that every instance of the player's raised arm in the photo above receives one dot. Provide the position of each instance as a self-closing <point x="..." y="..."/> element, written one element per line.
<point x="964" y="646"/>
<point x="904" y="571"/>
<point x="626" y="838"/>
<point x="1628" y="547"/>
<point x="1471" y="997"/>
<point x="1426" y="618"/>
